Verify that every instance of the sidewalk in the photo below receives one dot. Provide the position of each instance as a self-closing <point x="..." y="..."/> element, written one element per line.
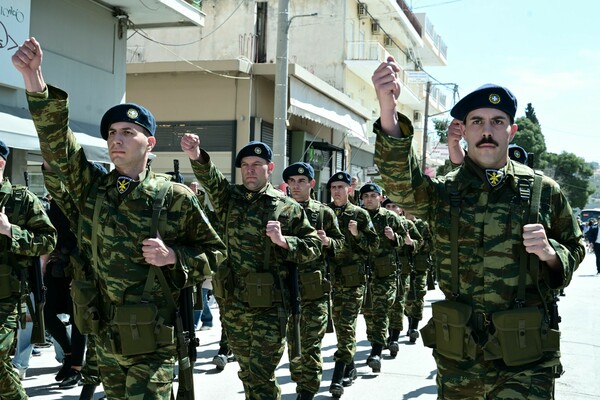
<point x="410" y="376"/>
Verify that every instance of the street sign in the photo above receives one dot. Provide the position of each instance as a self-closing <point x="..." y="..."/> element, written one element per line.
<point x="14" y="29"/>
<point x="417" y="76"/>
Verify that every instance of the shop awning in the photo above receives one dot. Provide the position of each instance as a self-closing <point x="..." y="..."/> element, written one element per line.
<point x="18" y="131"/>
<point x="306" y="102"/>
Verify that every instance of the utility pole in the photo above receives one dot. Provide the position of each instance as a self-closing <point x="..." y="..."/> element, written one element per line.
<point x="281" y="89"/>
<point x="425" y="122"/>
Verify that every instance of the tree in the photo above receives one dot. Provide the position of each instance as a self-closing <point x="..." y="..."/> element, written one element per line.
<point x="573" y="175"/>
<point x="530" y="137"/>
<point x="441" y="128"/>
<point x="530" y="114"/>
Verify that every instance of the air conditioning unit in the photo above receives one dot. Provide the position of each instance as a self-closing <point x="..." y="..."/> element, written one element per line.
<point x="375" y="27"/>
<point x="387" y="41"/>
<point x="362" y="10"/>
<point x="417" y="116"/>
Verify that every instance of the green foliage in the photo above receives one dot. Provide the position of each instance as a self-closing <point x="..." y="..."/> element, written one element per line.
<point x="441" y="128"/>
<point x="573" y="175"/>
<point x="530" y="114"/>
<point x="530" y="137"/>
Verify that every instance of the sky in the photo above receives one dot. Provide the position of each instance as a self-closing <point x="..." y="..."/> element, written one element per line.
<point x="547" y="52"/>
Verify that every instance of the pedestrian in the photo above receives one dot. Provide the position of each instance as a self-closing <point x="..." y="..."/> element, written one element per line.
<point x="128" y="243"/>
<point x="264" y="231"/>
<point x="315" y="282"/>
<point x="493" y="220"/>
<point x="26" y="233"/>
<point x="383" y="263"/>
<point x="593" y="239"/>
<point x="349" y="277"/>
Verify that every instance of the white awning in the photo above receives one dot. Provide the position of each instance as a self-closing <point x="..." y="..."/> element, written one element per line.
<point x="19" y="133"/>
<point x="306" y="102"/>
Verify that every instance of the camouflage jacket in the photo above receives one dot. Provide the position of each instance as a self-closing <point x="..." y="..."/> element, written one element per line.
<point x="32" y="236"/>
<point x="244" y="225"/>
<point x="357" y="249"/>
<point x="490" y="225"/>
<point x="123" y="221"/>
<point x="383" y="217"/>
<point x="329" y="224"/>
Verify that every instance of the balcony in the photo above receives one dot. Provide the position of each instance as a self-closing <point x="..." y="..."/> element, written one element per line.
<point x="435" y="51"/>
<point x="158" y="13"/>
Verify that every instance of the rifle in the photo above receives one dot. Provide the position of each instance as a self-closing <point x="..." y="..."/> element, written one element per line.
<point x="368" y="297"/>
<point x="295" y="310"/>
<point x="35" y="281"/>
<point x="430" y="274"/>
<point x="329" y="328"/>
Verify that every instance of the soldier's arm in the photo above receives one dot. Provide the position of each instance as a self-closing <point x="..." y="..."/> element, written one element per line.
<point x="215" y="184"/>
<point x="367" y="239"/>
<point x="304" y="245"/>
<point x="415" y="235"/>
<point x="337" y="241"/>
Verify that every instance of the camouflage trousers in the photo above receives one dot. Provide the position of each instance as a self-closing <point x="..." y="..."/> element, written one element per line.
<point x="347" y="302"/>
<point x="415" y="297"/>
<point x="90" y="372"/>
<point x="307" y="372"/>
<point x="483" y="380"/>
<point x="145" y="376"/>
<point x="383" y="292"/>
<point x="396" y="315"/>
<point x="257" y="342"/>
<point x="10" y="385"/>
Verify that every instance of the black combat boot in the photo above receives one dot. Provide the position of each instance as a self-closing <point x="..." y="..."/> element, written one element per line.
<point x="350" y="374"/>
<point x="409" y="324"/>
<point x="304" y="395"/>
<point x="393" y="342"/>
<point x="413" y="330"/>
<point x="374" y="360"/>
<point x="87" y="391"/>
<point x="336" y="389"/>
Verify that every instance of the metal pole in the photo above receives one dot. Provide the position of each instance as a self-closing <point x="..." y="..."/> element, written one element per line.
<point x="425" y="122"/>
<point x="281" y="89"/>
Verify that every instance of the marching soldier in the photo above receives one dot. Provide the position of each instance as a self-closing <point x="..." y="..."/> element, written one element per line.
<point x="315" y="282"/>
<point x="348" y="267"/>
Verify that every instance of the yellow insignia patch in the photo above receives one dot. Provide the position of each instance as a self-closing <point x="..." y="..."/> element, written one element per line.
<point x="132" y="113"/>
<point x="300" y="170"/>
<point x="123" y="183"/>
<point x="257" y="150"/>
<point x="249" y="195"/>
<point x="494" y="98"/>
<point x="494" y="177"/>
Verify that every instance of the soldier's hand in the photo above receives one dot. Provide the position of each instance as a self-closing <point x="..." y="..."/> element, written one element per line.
<point x="455" y="134"/>
<point x="353" y="227"/>
<point x="28" y="61"/>
<point x="386" y="83"/>
<point x="408" y="240"/>
<point x="274" y="232"/>
<point x="389" y="233"/>
<point x="157" y="253"/>
<point x="190" y="144"/>
<point x="536" y="242"/>
<point x="5" y="225"/>
<point x="323" y="236"/>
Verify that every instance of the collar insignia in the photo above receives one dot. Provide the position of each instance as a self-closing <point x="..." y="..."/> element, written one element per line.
<point x="249" y="195"/>
<point x="338" y="211"/>
<point x="494" y="176"/>
<point x="123" y="183"/>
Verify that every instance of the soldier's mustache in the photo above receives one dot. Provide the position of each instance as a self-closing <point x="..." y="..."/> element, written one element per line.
<point x="487" y="140"/>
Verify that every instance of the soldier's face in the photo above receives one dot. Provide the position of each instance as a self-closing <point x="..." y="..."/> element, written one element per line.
<point x="255" y="172"/>
<point x="371" y="200"/>
<point x="394" y="207"/>
<point x="488" y="133"/>
<point x="339" y="192"/>
<point x="129" y="146"/>
<point x="300" y="186"/>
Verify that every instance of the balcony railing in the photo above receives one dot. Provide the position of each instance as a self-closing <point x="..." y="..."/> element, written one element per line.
<point x="366" y="51"/>
<point x="411" y="17"/>
<point x="195" y="3"/>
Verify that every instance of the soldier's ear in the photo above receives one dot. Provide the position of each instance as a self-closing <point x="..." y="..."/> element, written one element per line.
<point x="151" y="142"/>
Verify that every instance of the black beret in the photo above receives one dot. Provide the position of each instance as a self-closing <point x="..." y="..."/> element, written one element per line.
<point x="128" y="112"/>
<point x="486" y="96"/>
<point x="339" y="177"/>
<point x="387" y="201"/>
<point x="517" y="153"/>
<point x="4" y="151"/>
<point x="299" y="168"/>
<point x="256" y="149"/>
<point x="370" y="187"/>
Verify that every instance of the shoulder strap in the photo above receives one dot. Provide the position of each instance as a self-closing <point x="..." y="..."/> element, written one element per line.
<point x="276" y="214"/>
<point x="455" y="202"/>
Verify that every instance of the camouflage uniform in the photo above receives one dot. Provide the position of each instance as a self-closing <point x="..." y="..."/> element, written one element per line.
<point x="123" y="222"/>
<point x="382" y="282"/>
<point x="490" y="229"/>
<point x="415" y="295"/>
<point x="255" y="334"/>
<point x="347" y="299"/>
<point x="32" y="236"/>
<point x="307" y="372"/>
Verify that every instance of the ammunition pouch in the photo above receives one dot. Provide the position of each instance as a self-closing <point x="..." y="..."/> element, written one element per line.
<point x="352" y="275"/>
<point x="406" y="267"/>
<point x="523" y="336"/>
<point x="449" y="331"/>
<point x="222" y="282"/>
<point x="10" y="285"/>
<point x="313" y="286"/>
<point x="85" y="310"/>
<point x="140" y="329"/>
<point x="383" y="266"/>
<point x="421" y="262"/>
<point x="260" y="289"/>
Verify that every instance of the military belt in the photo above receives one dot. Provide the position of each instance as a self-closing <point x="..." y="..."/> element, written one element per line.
<point x="481" y="321"/>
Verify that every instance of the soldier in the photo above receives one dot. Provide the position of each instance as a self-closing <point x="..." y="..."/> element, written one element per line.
<point x="415" y="298"/>
<point x="348" y="267"/>
<point x="265" y="231"/>
<point x="405" y="253"/>
<point x="26" y="232"/>
<point x="506" y="239"/>
<point x="127" y="242"/>
<point x="315" y="282"/>
<point x="383" y="265"/>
